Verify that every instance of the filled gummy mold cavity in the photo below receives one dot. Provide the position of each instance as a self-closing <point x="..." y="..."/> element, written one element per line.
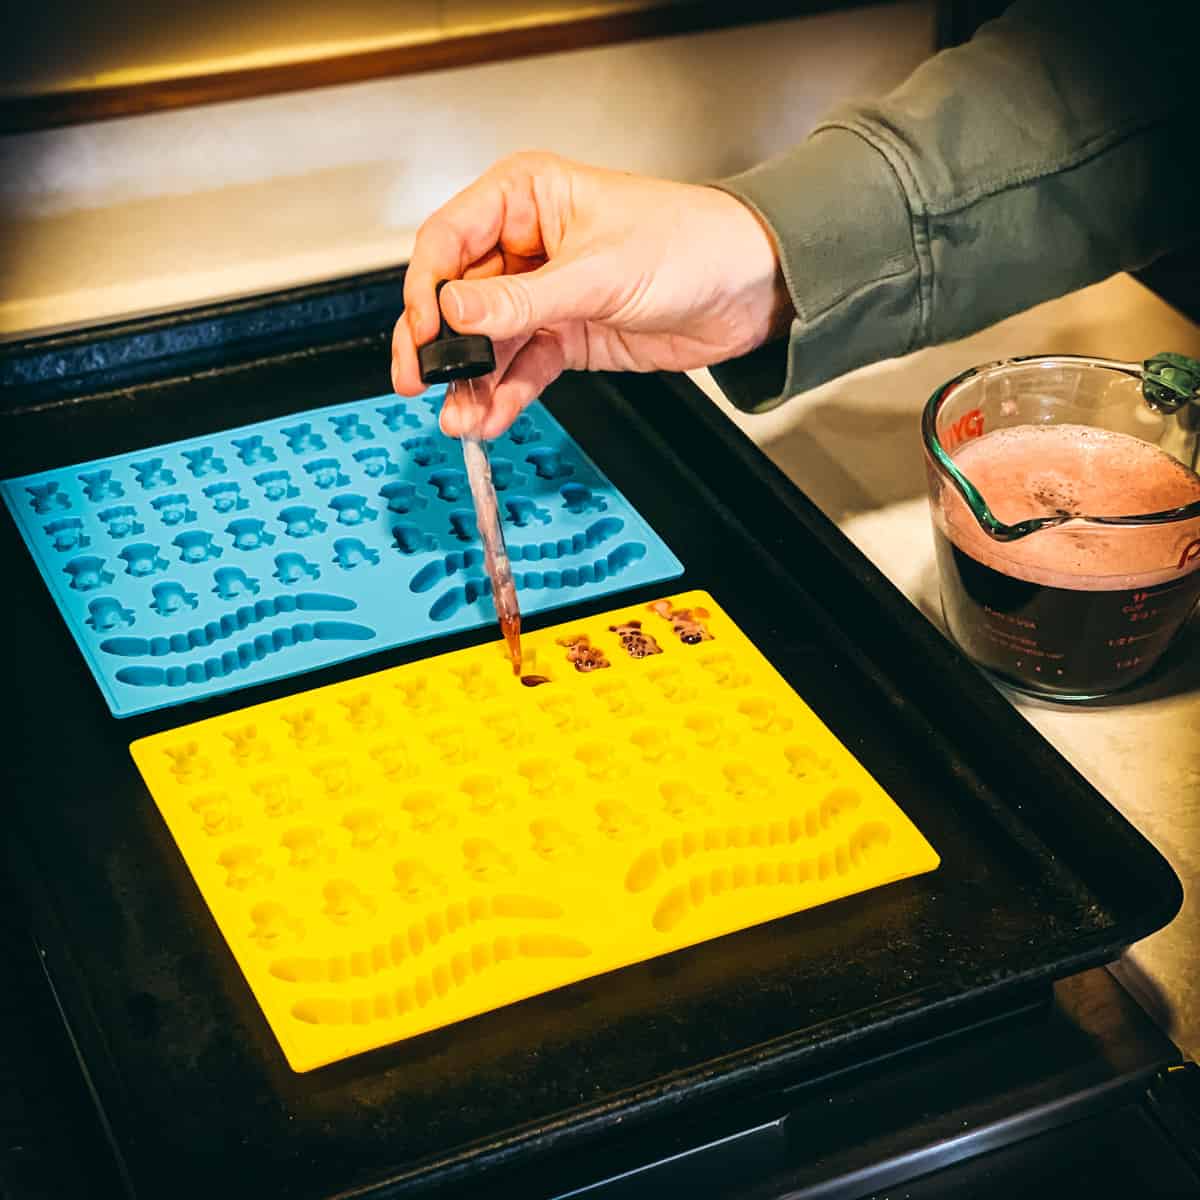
<point x="366" y="499"/>
<point x="392" y="854"/>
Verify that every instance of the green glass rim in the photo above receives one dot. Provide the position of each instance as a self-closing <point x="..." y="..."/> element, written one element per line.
<point x="971" y="495"/>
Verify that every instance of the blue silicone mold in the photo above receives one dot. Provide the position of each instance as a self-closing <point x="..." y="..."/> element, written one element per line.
<point x="213" y="564"/>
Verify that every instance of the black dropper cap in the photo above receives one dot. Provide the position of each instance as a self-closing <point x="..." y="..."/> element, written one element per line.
<point x="452" y="355"/>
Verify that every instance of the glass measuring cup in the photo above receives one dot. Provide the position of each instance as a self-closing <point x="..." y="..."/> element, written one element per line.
<point x="1066" y="516"/>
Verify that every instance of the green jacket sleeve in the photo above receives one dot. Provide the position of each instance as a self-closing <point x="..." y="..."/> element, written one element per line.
<point x="1054" y="149"/>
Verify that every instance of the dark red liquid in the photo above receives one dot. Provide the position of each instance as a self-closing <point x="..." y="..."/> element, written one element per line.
<point x="1058" y="640"/>
<point x="1080" y="609"/>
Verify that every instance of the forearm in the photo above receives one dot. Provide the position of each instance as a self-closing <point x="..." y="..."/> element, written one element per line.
<point x="1048" y="153"/>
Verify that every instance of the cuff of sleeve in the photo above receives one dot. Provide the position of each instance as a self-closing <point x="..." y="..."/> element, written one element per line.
<point x="846" y="241"/>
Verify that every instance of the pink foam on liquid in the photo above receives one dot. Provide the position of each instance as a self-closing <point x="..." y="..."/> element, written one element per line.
<point x="1044" y="470"/>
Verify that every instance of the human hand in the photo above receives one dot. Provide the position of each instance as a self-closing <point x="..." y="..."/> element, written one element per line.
<point x="569" y="267"/>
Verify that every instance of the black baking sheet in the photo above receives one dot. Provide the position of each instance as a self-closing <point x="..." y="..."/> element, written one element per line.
<point x="1039" y="878"/>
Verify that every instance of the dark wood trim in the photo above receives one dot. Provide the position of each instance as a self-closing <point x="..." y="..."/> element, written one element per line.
<point x="24" y="113"/>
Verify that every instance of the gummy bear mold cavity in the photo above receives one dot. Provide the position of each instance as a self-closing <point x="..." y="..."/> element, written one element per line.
<point x="366" y="499"/>
<point x="386" y="856"/>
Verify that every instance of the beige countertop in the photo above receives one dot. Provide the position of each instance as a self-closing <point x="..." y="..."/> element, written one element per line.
<point x="854" y="447"/>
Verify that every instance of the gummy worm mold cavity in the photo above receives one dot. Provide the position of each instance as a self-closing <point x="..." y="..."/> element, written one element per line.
<point x="841" y="860"/>
<point x="438" y="983"/>
<point x="227" y="625"/>
<point x="416" y="939"/>
<point x="462" y="560"/>
<point x="449" y="603"/>
<point x="818" y="819"/>
<point x="244" y="655"/>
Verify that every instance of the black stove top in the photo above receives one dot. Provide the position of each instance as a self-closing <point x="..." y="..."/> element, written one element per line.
<point x="1073" y="1091"/>
<point x="932" y="1025"/>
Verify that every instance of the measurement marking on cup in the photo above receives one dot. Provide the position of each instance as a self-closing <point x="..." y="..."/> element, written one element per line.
<point x="1129" y="638"/>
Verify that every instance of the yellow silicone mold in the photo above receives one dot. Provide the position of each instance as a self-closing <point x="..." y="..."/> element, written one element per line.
<point x="395" y="853"/>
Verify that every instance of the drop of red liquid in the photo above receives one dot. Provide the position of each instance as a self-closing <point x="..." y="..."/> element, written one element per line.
<point x="534" y="680"/>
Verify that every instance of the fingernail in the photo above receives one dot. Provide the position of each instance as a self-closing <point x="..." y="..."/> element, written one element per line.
<point x="466" y="305"/>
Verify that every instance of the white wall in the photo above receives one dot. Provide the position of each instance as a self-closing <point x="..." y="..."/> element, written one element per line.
<point x="151" y="212"/>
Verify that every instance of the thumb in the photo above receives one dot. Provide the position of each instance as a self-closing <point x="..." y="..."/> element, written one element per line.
<point x="516" y="306"/>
